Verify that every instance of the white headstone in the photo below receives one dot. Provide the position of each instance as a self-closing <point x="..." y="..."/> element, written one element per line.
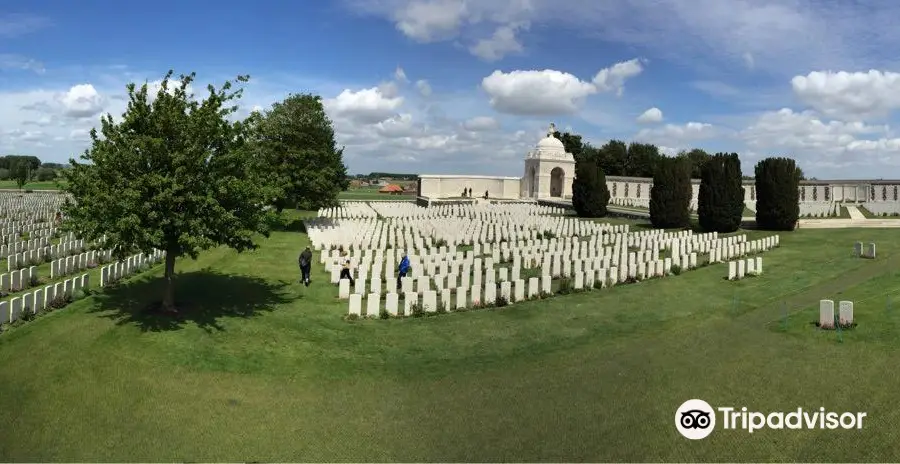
<point x="826" y="314"/>
<point x="845" y="309"/>
<point x="355" y="304"/>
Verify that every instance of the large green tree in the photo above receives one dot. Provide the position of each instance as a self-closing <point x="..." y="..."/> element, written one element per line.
<point x="296" y="139"/>
<point x="641" y="160"/>
<point x="590" y="195"/>
<point x="20" y="171"/>
<point x="572" y="143"/>
<point x="670" y="196"/>
<point x="777" y="194"/>
<point x="173" y="174"/>
<point x="698" y="158"/>
<point x="44" y="174"/>
<point x="720" y="202"/>
<point x="612" y="157"/>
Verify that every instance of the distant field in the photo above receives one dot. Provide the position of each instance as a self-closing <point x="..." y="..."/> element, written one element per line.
<point x="52" y="185"/>
<point x="371" y="193"/>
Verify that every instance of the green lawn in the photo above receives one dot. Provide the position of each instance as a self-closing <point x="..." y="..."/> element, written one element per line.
<point x="263" y="369"/>
<point x="870" y="215"/>
<point x="371" y="193"/>
<point x="52" y="185"/>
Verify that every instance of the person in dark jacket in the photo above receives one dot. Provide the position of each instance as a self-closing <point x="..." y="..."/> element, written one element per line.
<point x="402" y="270"/>
<point x="345" y="272"/>
<point x="305" y="264"/>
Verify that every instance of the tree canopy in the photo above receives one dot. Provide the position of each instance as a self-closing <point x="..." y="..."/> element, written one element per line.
<point x="777" y="194"/>
<point x="720" y="201"/>
<point x="295" y="139"/>
<point x="32" y="162"/>
<point x="670" y="196"/>
<point x="20" y="171"/>
<point x="590" y="195"/>
<point x="174" y="173"/>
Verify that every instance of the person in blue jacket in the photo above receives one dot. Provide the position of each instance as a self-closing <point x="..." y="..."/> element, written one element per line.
<point x="403" y="269"/>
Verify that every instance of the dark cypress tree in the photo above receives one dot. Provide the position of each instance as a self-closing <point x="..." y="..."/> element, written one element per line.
<point x="777" y="194"/>
<point x="721" y="197"/>
<point x="670" y="196"/>
<point x="590" y="195"/>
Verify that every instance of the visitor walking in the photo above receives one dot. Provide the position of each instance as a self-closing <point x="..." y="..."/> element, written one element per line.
<point x="402" y="270"/>
<point x="345" y="272"/>
<point x="305" y="264"/>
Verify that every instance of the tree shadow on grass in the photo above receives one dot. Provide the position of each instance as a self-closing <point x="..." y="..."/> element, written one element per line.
<point x="291" y="225"/>
<point x="203" y="298"/>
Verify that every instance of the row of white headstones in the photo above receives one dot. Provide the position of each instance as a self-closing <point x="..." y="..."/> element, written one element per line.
<point x="421" y="234"/>
<point x="408" y="210"/>
<point x="826" y="313"/>
<point x="598" y="267"/>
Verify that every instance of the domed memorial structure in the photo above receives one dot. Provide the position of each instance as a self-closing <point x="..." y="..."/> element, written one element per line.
<point x="549" y="171"/>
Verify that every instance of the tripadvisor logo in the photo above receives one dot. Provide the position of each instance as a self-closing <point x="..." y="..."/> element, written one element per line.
<point x="696" y="419"/>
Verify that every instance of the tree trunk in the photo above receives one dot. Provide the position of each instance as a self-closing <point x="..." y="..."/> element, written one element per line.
<point x="169" y="293"/>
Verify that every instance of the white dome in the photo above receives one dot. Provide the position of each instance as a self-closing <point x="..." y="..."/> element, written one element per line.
<point x="550" y="143"/>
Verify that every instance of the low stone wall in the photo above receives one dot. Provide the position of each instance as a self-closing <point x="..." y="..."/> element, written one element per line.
<point x="443" y="187"/>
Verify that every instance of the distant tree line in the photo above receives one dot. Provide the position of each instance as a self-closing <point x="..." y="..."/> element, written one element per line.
<point x="24" y="169"/>
<point x="721" y="195"/>
<point x="616" y="158"/>
<point x="385" y="175"/>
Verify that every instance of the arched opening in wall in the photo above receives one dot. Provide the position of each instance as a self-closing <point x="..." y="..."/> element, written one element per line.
<point x="557" y="180"/>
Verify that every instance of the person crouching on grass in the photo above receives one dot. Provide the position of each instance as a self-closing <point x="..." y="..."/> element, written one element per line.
<point x="345" y="272"/>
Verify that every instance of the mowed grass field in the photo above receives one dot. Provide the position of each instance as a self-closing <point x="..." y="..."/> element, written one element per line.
<point x="264" y="369"/>
<point x="371" y="193"/>
<point x="50" y="185"/>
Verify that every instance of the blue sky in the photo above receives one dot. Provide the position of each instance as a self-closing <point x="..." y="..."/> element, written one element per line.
<point x="456" y="86"/>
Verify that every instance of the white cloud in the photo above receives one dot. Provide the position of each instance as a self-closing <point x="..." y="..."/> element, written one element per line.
<point x="818" y="143"/>
<point x="805" y="130"/>
<point x="613" y="78"/>
<point x="430" y="20"/>
<point x="20" y="63"/>
<point x="781" y="36"/>
<point x="503" y="42"/>
<point x="481" y="124"/>
<point x="652" y="115"/>
<point x="25" y="136"/>
<point x="82" y="101"/>
<point x="81" y="135"/>
<point x="536" y="93"/>
<point x="850" y="95"/>
<point x="668" y="151"/>
<point x="749" y="62"/>
<point x="423" y="87"/>
<point x="389" y="89"/>
<point x="678" y="134"/>
<point x="365" y="106"/>
<point x="400" y="75"/>
<point x="16" y="24"/>
<point x="400" y="125"/>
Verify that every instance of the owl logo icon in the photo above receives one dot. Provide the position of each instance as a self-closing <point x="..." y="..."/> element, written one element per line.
<point x="695" y="419"/>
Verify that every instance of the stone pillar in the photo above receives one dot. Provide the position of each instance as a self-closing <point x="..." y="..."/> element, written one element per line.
<point x="543" y="186"/>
